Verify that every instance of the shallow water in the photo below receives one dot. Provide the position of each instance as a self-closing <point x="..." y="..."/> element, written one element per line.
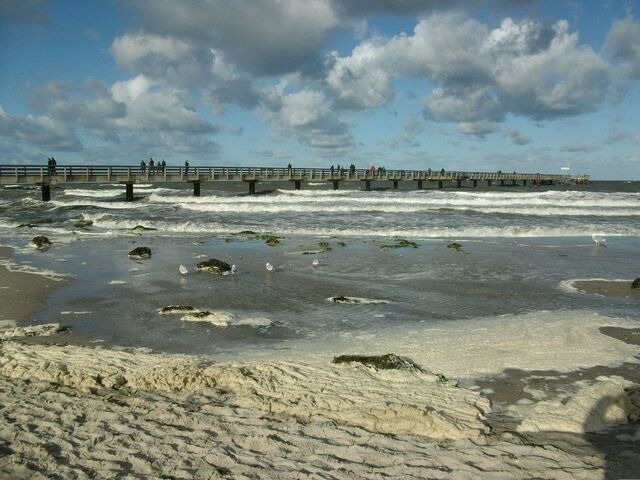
<point x="518" y="245"/>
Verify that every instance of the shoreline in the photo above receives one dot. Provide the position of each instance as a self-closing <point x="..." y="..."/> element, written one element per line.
<point x="22" y="294"/>
<point x="606" y="288"/>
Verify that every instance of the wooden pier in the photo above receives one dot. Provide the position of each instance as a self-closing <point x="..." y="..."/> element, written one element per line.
<point x="129" y="176"/>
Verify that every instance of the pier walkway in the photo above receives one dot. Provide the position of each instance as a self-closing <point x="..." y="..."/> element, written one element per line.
<point x="129" y="176"/>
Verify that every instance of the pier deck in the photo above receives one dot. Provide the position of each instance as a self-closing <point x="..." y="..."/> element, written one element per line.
<point x="129" y="176"/>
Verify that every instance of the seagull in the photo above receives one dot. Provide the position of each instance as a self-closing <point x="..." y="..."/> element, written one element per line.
<point x="183" y="269"/>
<point x="269" y="267"/>
<point x="315" y="263"/>
<point x="599" y="240"/>
<point x="234" y="269"/>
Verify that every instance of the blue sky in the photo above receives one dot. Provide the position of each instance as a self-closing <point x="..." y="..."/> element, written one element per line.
<point x="507" y="85"/>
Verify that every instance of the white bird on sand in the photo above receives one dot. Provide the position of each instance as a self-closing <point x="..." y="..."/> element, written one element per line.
<point x="234" y="269"/>
<point x="316" y="262"/>
<point x="599" y="240"/>
<point x="269" y="267"/>
<point x="183" y="269"/>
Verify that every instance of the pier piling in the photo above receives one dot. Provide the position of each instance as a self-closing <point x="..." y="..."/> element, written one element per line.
<point x="252" y="187"/>
<point x="128" y="192"/>
<point x="440" y="184"/>
<point x="296" y="184"/>
<point x="196" y="189"/>
<point x="46" y="192"/>
<point x="335" y="184"/>
<point x="419" y="184"/>
<point x="395" y="184"/>
<point x="367" y="185"/>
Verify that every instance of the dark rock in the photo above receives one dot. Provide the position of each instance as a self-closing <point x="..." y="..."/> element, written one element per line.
<point x="140" y="252"/>
<point x="84" y="224"/>
<point x="388" y="361"/>
<point x="455" y="246"/>
<point x="41" y="242"/>
<point x="169" y="309"/>
<point x="343" y="299"/>
<point x="635" y="285"/>
<point x="214" y="265"/>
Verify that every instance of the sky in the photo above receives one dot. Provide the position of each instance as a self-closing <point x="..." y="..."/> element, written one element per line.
<point x="475" y="85"/>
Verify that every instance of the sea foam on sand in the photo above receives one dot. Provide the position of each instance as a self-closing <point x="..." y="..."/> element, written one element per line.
<point x="96" y="413"/>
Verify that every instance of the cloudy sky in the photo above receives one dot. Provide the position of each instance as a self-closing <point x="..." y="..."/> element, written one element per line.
<point x="506" y="85"/>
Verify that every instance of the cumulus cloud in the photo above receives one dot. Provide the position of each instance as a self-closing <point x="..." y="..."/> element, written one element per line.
<point x="39" y="130"/>
<point x="264" y="38"/>
<point x="153" y="109"/>
<point x="480" y="75"/>
<point x="623" y="45"/>
<point x="307" y="115"/>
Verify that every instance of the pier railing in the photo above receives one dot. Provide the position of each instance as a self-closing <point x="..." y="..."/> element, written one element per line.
<point x="35" y="174"/>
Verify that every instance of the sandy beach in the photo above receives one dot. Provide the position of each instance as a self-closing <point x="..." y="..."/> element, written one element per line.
<point x="81" y="411"/>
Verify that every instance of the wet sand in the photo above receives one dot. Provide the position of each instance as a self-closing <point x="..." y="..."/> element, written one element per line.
<point x="607" y="288"/>
<point x="21" y="294"/>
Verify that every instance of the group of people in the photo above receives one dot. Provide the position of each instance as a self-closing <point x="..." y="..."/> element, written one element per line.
<point x="51" y="165"/>
<point x="153" y="167"/>
<point x="159" y="167"/>
<point x="341" y="169"/>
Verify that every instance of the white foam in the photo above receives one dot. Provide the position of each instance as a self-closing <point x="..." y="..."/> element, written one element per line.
<point x="22" y="268"/>
<point x="544" y="340"/>
<point x="82" y="312"/>
<point x="219" y="319"/>
<point x="117" y="282"/>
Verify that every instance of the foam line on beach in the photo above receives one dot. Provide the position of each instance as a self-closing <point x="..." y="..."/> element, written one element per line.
<point x="543" y="340"/>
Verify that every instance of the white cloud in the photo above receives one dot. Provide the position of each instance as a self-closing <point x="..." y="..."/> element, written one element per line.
<point x="623" y="45"/>
<point x="263" y="38"/>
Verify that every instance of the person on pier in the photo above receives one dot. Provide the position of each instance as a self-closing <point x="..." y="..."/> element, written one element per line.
<point x="186" y="167"/>
<point x="143" y="167"/>
<point x="151" y="166"/>
<point x="163" y="165"/>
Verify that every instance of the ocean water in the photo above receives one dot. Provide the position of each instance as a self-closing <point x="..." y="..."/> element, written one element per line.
<point x="518" y="247"/>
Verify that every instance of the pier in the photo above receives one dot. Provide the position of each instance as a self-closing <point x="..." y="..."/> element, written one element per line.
<point x="128" y="176"/>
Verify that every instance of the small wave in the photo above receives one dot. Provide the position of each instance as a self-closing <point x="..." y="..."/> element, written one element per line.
<point x="19" y="268"/>
<point x="357" y="300"/>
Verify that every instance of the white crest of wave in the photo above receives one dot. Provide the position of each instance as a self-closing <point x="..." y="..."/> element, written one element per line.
<point x="104" y="193"/>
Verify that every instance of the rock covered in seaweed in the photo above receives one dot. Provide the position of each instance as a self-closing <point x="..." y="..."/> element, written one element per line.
<point x="635" y="285"/>
<point x="41" y="242"/>
<point x="389" y="361"/>
<point x="213" y="265"/>
<point x="172" y="309"/>
<point x="140" y="252"/>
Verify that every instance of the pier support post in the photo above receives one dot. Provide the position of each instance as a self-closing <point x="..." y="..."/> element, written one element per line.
<point x="502" y="183"/>
<point x="367" y="185"/>
<point x="252" y="187"/>
<point x="128" y="192"/>
<point x="524" y="183"/>
<point x="458" y="183"/>
<point x="335" y="184"/>
<point x="46" y="192"/>
<point x="395" y="184"/>
<point x="296" y="184"/>
<point x="514" y="183"/>
<point x="196" y="189"/>
<point x="488" y="183"/>
<point x="440" y="184"/>
<point x="475" y="183"/>
<point x="419" y="184"/>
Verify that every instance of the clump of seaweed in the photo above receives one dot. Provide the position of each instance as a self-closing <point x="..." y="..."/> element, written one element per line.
<point x="455" y="246"/>
<point x="325" y="247"/>
<point x="635" y="285"/>
<point x="400" y="243"/>
<point x="269" y="239"/>
<point x="389" y="361"/>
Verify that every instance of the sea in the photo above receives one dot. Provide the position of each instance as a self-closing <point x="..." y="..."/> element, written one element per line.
<point x="407" y="262"/>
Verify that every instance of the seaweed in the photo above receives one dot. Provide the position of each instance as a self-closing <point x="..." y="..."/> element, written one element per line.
<point x="455" y="246"/>
<point x="389" y="361"/>
<point x="324" y="246"/>
<point x="635" y="285"/>
<point x="400" y="243"/>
